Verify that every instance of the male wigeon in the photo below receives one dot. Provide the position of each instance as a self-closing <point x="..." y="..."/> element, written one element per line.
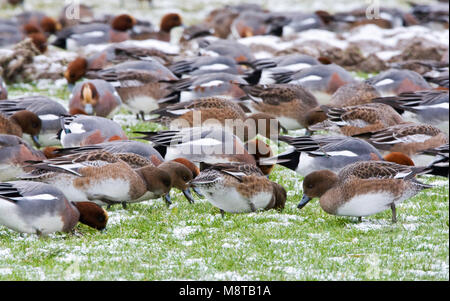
<point x="211" y="84"/>
<point x="102" y="177"/>
<point x="112" y="55"/>
<point x="282" y="63"/>
<point x="3" y="89"/>
<point x="409" y="139"/>
<point x="14" y="152"/>
<point x="39" y="208"/>
<point x="35" y="21"/>
<point x="353" y="94"/>
<point x="95" y="97"/>
<point x="48" y="110"/>
<point x="287" y="102"/>
<point x="206" y="64"/>
<point x="237" y="51"/>
<point x="77" y="36"/>
<point x="205" y="144"/>
<point x="321" y="80"/>
<point x="363" y="188"/>
<point x="356" y="120"/>
<point x="168" y="22"/>
<point x="307" y="154"/>
<point x="79" y="130"/>
<point x="440" y="165"/>
<point x="429" y="107"/>
<point x="21" y="122"/>
<point x="218" y="111"/>
<point x="238" y="188"/>
<point x="140" y="84"/>
<point x="395" y="81"/>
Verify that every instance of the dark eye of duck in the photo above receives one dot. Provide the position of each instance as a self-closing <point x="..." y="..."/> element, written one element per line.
<point x="310" y="186"/>
<point x="35" y="125"/>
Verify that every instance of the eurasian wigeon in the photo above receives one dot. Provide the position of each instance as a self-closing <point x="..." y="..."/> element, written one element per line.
<point x="363" y="188"/>
<point x="139" y="84"/>
<point x="196" y="31"/>
<point x="239" y="188"/>
<point x="211" y="84"/>
<point x="168" y="22"/>
<point x="320" y="80"/>
<point x="311" y="153"/>
<point x="394" y="82"/>
<point x="441" y="80"/>
<point x="102" y="177"/>
<point x="409" y="138"/>
<point x="77" y="36"/>
<point x="440" y="164"/>
<point x="221" y="112"/>
<point x="204" y="144"/>
<point x="14" y="152"/>
<point x="430" y="107"/>
<point x="353" y="94"/>
<point x="79" y="130"/>
<point x="10" y="34"/>
<point x="95" y="97"/>
<point x="39" y="208"/>
<point x="287" y="102"/>
<point x="21" y="122"/>
<point x="356" y="120"/>
<point x="48" y="110"/>
<point x="3" y="89"/>
<point x="206" y="64"/>
<point x="237" y="51"/>
<point x="254" y="23"/>
<point x="282" y="63"/>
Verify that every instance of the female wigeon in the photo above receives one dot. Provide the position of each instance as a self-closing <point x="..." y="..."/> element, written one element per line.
<point x="287" y="102"/>
<point x="139" y="84"/>
<point x="73" y="37"/>
<point x="79" y="130"/>
<point x="3" y="89"/>
<point x="395" y="81"/>
<point x="356" y="120"/>
<point x="21" y="122"/>
<point x="14" y="152"/>
<point x="48" y="110"/>
<point x="218" y="111"/>
<point x="353" y="94"/>
<point x="95" y="97"/>
<point x="430" y="107"/>
<point x="440" y="165"/>
<point x="239" y="188"/>
<point x="211" y="84"/>
<point x="410" y="139"/>
<point x="320" y="80"/>
<point x="204" y="144"/>
<point x="38" y="208"/>
<point x="363" y="188"/>
<point x="102" y="177"/>
<point x="168" y="22"/>
<point x="307" y="154"/>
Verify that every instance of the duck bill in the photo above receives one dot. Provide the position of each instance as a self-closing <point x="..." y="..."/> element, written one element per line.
<point x="188" y="195"/>
<point x="36" y="141"/>
<point x="88" y="108"/>
<point x="167" y="199"/>
<point x="198" y="192"/>
<point x="304" y="201"/>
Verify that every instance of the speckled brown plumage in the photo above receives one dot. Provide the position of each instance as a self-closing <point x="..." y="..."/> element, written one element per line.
<point x="353" y="94"/>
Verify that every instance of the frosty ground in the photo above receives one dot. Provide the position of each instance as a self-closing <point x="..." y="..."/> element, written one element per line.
<point x="149" y="241"/>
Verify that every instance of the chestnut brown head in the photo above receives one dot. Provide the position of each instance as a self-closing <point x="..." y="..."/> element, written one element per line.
<point x="123" y="22"/>
<point x="89" y="97"/>
<point x="179" y="173"/>
<point x="170" y="21"/>
<point x="399" y="158"/>
<point x="76" y="70"/>
<point x="29" y="122"/>
<point x="50" y="25"/>
<point x="39" y="40"/>
<point x="158" y="181"/>
<point x="316" y="184"/>
<point x="92" y="215"/>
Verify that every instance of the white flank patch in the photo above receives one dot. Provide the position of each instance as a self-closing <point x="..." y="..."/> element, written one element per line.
<point x="111" y="189"/>
<point x="309" y="78"/>
<point x="48" y="117"/>
<point x="384" y="82"/>
<point x="45" y="196"/>
<point x="227" y="199"/>
<point x="216" y="67"/>
<point x="366" y="204"/>
<point x="297" y="67"/>
<point x="75" y="128"/>
<point x="212" y="83"/>
<point x="307" y="164"/>
<point x="308" y="21"/>
<point x="92" y="34"/>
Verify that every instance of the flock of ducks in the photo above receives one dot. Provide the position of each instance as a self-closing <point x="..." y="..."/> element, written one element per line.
<point x="364" y="143"/>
